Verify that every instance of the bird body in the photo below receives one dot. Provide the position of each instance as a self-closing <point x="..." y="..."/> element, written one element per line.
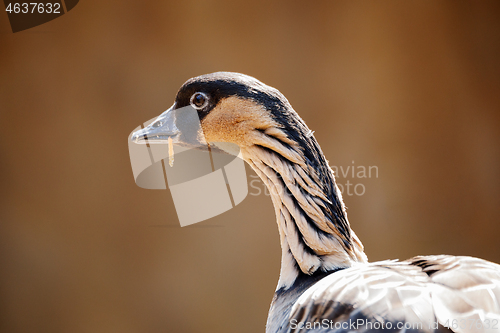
<point x="422" y="294"/>
<point x="326" y="283"/>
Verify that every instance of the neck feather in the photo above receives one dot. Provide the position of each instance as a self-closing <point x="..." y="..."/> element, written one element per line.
<point x="314" y="231"/>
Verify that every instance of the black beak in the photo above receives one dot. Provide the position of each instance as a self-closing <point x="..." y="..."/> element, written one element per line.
<point x="181" y="127"/>
<point x="160" y="130"/>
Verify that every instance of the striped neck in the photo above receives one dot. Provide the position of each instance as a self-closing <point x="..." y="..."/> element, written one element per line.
<point x="314" y="231"/>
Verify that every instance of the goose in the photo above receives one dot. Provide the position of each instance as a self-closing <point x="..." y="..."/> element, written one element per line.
<point x="326" y="283"/>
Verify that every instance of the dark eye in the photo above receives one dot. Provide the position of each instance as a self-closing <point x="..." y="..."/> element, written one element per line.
<point x="199" y="100"/>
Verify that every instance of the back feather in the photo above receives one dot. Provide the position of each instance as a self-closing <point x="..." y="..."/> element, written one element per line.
<point x="422" y="294"/>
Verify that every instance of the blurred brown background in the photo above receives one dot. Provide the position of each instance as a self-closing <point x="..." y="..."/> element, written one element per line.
<point x="411" y="87"/>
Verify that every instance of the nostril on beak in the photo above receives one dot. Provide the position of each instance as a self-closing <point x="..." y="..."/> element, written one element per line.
<point x="157" y="124"/>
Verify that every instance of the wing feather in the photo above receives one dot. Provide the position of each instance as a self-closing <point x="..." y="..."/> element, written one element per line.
<point x="422" y="294"/>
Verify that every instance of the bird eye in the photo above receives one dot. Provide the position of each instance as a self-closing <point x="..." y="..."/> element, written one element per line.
<point x="199" y="100"/>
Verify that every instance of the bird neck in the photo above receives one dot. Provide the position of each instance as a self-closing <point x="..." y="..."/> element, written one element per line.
<point x="314" y="231"/>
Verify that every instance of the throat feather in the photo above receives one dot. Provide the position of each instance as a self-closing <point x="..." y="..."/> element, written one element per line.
<point x="311" y="218"/>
